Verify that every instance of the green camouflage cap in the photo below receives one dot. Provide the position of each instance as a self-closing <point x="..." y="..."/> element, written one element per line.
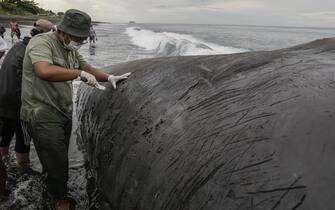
<point x="75" y="23"/>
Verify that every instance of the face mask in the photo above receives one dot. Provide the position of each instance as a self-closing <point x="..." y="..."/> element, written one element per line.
<point x="72" y="46"/>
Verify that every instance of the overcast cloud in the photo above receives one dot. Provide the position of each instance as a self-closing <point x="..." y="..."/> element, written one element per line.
<point x="243" y="12"/>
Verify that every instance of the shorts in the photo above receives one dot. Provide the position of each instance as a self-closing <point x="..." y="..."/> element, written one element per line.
<point x="19" y="128"/>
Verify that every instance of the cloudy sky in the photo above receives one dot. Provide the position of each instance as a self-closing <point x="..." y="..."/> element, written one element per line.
<point x="320" y="13"/>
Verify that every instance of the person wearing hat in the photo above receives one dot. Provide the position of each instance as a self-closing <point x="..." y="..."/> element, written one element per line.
<point x="10" y="98"/>
<point x="50" y="64"/>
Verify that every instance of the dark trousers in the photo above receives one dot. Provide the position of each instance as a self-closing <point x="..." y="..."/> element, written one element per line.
<point x="2" y="54"/>
<point x="3" y="173"/>
<point x="51" y="134"/>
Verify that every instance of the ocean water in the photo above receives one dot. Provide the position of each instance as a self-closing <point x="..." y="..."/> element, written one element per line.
<point x="125" y="42"/>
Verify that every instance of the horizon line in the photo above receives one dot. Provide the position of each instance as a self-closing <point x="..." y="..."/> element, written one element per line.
<point x="221" y="24"/>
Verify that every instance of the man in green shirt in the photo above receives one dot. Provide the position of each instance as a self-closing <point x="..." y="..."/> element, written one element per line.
<point x="50" y="64"/>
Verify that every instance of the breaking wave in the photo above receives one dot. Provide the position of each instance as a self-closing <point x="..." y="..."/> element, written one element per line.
<point x="173" y="44"/>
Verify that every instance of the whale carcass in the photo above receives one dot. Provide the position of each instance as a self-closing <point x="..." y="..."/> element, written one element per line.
<point x="252" y="130"/>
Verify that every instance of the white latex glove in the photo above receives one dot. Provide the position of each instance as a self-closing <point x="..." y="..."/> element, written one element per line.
<point x="88" y="78"/>
<point x="114" y="79"/>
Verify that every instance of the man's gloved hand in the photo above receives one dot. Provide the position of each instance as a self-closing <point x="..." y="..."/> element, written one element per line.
<point x="114" y="79"/>
<point x="88" y="78"/>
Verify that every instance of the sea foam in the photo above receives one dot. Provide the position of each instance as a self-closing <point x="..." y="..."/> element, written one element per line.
<point x="174" y="44"/>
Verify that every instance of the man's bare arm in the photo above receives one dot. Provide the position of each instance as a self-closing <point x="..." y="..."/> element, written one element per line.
<point x="53" y="73"/>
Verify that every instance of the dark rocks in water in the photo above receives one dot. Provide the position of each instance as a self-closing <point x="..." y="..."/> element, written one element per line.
<point x="244" y="131"/>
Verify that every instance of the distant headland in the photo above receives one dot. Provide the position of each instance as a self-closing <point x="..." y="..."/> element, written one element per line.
<point x="26" y="11"/>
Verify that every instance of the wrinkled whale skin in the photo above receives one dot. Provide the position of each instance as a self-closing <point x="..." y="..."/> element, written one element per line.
<point x="253" y="130"/>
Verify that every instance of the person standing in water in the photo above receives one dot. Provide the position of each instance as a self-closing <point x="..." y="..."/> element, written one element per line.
<point x="10" y="98"/>
<point x="2" y="31"/>
<point x="93" y="35"/>
<point x="50" y="64"/>
<point x="4" y="192"/>
<point x="15" y="30"/>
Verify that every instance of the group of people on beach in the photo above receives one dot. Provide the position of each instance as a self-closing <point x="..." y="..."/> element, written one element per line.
<point x="14" y="30"/>
<point x="36" y="98"/>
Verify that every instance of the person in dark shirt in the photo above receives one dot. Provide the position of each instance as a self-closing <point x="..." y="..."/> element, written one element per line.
<point x="2" y="31"/>
<point x="10" y="98"/>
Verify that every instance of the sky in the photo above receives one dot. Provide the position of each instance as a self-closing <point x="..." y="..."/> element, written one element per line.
<point x="303" y="13"/>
